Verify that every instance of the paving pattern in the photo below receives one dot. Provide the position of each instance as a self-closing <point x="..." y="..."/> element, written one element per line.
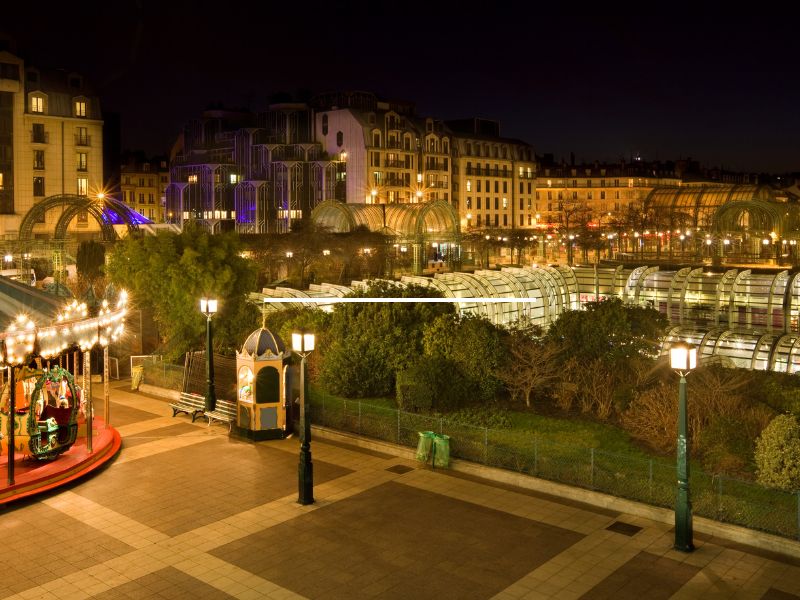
<point x="185" y="511"/>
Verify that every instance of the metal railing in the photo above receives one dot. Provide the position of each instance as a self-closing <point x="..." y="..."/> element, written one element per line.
<point x="717" y="497"/>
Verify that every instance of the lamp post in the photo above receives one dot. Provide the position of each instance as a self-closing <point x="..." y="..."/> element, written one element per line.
<point x="303" y="345"/>
<point x="683" y="358"/>
<point x="208" y="306"/>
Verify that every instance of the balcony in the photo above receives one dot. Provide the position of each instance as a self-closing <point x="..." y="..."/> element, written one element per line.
<point x="83" y="140"/>
<point x="397" y="164"/>
<point x="41" y="137"/>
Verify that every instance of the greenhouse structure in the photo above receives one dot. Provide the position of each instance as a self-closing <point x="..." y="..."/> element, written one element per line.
<point x="744" y="319"/>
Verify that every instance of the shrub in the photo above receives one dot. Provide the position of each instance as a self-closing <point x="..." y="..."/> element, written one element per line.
<point x="778" y="454"/>
<point x="427" y="385"/>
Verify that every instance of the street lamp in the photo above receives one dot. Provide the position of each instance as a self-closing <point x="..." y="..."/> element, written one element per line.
<point x="303" y="345"/>
<point x="208" y="306"/>
<point x="683" y="358"/>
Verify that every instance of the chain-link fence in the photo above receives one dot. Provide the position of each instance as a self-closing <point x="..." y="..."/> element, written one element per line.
<point x="721" y="498"/>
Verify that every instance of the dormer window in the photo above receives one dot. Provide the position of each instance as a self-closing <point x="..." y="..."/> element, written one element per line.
<point x="37" y="104"/>
<point x="80" y="107"/>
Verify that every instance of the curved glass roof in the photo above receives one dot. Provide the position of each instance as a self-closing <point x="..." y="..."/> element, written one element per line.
<point x="700" y="202"/>
<point x="428" y="219"/>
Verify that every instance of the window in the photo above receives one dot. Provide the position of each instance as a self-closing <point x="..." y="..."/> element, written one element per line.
<point x="83" y="161"/>
<point x="549" y="195"/>
<point x="589" y="196"/>
<point x="521" y="187"/>
<point x="505" y="203"/>
<point x="83" y="186"/>
<point x="83" y="217"/>
<point x="127" y="180"/>
<point x="80" y="108"/>
<point x="234" y="178"/>
<point x="505" y="220"/>
<point x="192" y="178"/>
<point x="479" y="184"/>
<point x="38" y="159"/>
<point x="82" y="136"/>
<point x="469" y="203"/>
<point x="150" y="199"/>
<point x="141" y="197"/>
<point x="505" y="187"/>
<point x="38" y="186"/>
<point x="521" y="204"/>
<point x="603" y="195"/>
<point x="38" y="135"/>
<point x="469" y="185"/>
<point x="497" y="203"/>
<point x="141" y="181"/>
<point x="497" y="220"/>
<point x="588" y="183"/>
<point x="324" y="124"/>
<point x="339" y="139"/>
<point x="479" y="203"/>
<point x="37" y="104"/>
<point x="616" y="195"/>
<point x="1" y="181"/>
<point x="479" y="221"/>
<point x="496" y="187"/>
<point x="376" y="139"/>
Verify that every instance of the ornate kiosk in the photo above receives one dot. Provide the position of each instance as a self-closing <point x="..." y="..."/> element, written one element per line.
<point x="261" y="398"/>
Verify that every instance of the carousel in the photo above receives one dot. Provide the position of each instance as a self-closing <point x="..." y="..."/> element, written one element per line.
<point x="49" y="434"/>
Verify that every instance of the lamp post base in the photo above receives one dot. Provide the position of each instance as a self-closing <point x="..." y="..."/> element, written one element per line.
<point x="305" y="478"/>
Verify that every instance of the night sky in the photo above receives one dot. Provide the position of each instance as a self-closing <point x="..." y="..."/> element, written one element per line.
<point x="722" y="87"/>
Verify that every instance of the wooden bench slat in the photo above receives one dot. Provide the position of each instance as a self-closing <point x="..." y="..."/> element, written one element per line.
<point x="225" y="412"/>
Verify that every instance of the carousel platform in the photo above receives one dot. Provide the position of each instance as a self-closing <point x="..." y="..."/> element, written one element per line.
<point x="32" y="476"/>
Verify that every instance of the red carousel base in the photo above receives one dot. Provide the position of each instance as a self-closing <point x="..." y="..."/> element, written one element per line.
<point x="32" y="476"/>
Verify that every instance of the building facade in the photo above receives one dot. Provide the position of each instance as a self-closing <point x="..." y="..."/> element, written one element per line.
<point x="51" y="143"/>
<point x="143" y="186"/>
<point x="259" y="173"/>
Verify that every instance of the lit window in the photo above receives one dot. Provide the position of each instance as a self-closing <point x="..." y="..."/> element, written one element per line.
<point x="234" y="178"/>
<point x="1" y="181"/>
<point x="192" y="178"/>
<point x="630" y="183"/>
<point x="469" y="185"/>
<point x="505" y="202"/>
<point x="83" y="186"/>
<point x="37" y="104"/>
<point x="80" y="108"/>
<point x="82" y="159"/>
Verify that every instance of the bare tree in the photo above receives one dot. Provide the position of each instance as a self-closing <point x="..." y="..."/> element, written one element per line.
<point x="573" y="212"/>
<point x="532" y="367"/>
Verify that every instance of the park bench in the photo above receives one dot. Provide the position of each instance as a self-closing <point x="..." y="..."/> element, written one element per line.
<point x="191" y="404"/>
<point x="225" y="412"/>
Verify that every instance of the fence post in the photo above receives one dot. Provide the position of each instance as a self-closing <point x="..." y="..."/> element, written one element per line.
<point x="650" y="479"/>
<point x="591" y="475"/>
<point x="486" y="445"/>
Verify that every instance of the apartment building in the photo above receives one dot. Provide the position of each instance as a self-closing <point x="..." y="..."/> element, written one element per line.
<point x="51" y="143"/>
<point x="143" y="185"/>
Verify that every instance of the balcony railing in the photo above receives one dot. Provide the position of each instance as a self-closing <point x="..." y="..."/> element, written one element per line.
<point x="40" y="138"/>
<point x="83" y="140"/>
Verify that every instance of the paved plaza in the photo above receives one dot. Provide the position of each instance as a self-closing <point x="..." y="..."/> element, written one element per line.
<point x="187" y="512"/>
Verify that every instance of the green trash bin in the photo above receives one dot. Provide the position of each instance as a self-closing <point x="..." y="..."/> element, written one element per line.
<point x="441" y="450"/>
<point x="424" y="445"/>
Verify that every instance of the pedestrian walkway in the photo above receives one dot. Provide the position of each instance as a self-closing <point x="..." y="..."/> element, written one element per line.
<point x="185" y="511"/>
